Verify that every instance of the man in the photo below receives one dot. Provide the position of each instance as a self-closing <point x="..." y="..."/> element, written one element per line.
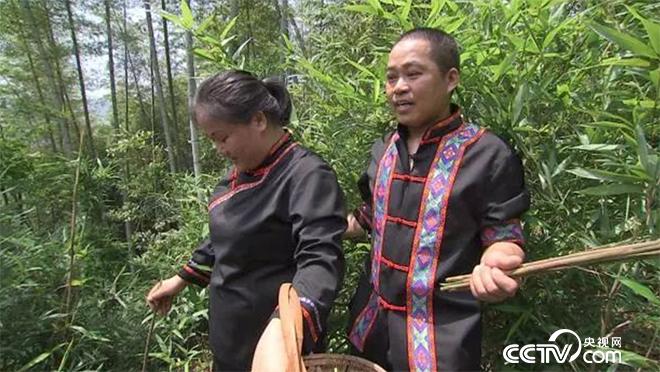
<point x="441" y="197"/>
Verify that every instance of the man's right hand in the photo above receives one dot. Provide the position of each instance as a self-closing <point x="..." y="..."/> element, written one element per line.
<point x="161" y="295"/>
<point x="353" y="229"/>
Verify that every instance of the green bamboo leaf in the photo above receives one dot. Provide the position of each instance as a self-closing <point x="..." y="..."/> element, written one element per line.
<point x="436" y="7"/>
<point x="652" y="29"/>
<point x="455" y="25"/>
<point x="640" y="289"/>
<point x="376" y="92"/>
<point x="550" y="37"/>
<point x="404" y="11"/>
<point x="642" y="148"/>
<point x="625" y="41"/>
<point x="239" y="50"/>
<point x="598" y="147"/>
<point x="40" y="358"/>
<point x="361" y="8"/>
<point x="594" y="174"/>
<point x="172" y="18"/>
<point x="630" y="62"/>
<point x="608" y="125"/>
<point x="655" y="78"/>
<point x="363" y="69"/>
<point x="613" y="189"/>
<point x="504" y="66"/>
<point x="228" y="27"/>
<point x="376" y="5"/>
<point x="518" y="103"/>
<point x="205" y="24"/>
<point x="204" y="54"/>
<point x="630" y="358"/>
<point x="186" y="15"/>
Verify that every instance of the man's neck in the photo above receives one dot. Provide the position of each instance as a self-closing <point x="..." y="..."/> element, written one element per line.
<point x="415" y="134"/>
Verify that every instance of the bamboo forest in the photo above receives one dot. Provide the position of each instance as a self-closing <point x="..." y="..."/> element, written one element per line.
<point x="105" y="176"/>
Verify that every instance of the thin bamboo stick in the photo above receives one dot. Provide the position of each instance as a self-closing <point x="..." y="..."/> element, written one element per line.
<point x="590" y="257"/>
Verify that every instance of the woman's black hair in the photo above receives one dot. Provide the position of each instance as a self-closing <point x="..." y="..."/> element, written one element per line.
<point x="235" y="96"/>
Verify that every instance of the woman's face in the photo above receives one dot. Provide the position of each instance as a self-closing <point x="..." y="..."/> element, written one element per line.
<point x="242" y="143"/>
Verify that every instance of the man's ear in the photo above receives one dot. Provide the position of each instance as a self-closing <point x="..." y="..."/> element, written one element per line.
<point x="259" y="121"/>
<point x="453" y="78"/>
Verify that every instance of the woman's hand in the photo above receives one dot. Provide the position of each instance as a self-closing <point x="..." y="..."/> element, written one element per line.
<point x="270" y="354"/>
<point x="161" y="295"/>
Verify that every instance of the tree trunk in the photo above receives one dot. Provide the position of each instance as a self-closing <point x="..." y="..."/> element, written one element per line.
<point x="81" y="79"/>
<point x="74" y="121"/>
<point x="58" y="102"/>
<point x="159" y="90"/>
<point x="143" y="109"/>
<point x="298" y="34"/>
<point x="111" y="67"/>
<point x="192" y="88"/>
<point x="37" y="83"/>
<point x="60" y="77"/>
<point x="168" y="64"/>
<point x="128" y="225"/>
<point x="125" y="37"/>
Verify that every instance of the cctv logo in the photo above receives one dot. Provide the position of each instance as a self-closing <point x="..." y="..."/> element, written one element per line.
<point x="552" y="352"/>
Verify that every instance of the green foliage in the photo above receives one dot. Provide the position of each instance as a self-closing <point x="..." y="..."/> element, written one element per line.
<point x="573" y="85"/>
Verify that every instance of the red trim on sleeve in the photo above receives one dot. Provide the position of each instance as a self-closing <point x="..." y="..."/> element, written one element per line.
<point x="194" y="273"/>
<point x="310" y="324"/>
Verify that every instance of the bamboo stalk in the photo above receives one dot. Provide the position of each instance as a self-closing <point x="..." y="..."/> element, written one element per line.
<point x="147" y="343"/>
<point x="590" y="257"/>
<point x="614" y="251"/>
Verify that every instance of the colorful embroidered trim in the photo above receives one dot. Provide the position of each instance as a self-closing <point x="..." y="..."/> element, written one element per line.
<point x="199" y="276"/>
<point x="310" y="325"/>
<point x="383" y="303"/>
<point x="393" y="265"/>
<point x="408" y="178"/>
<point x="364" y="322"/>
<point x="426" y="246"/>
<point x="510" y="231"/>
<point x="401" y="221"/>
<point x="307" y="303"/>
<point x="381" y="201"/>
<point x="222" y="198"/>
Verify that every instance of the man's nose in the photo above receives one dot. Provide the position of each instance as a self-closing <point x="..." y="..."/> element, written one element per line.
<point x="220" y="150"/>
<point x="401" y="86"/>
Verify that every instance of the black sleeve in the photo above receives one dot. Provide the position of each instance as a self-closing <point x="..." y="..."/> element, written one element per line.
<point x="364" y="213"/>
<point x="316" y="209"/>
<point x="505" y="197"/>
<point x="198" y="269"/>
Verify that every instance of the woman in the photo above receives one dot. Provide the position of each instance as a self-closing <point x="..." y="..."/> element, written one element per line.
<point x="277" y="217"/>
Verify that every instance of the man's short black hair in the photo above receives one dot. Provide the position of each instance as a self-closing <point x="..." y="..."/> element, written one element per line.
<point x="444" y="49"/>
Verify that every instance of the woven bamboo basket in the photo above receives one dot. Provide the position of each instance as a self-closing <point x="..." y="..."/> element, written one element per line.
<point x="292" y="329"/>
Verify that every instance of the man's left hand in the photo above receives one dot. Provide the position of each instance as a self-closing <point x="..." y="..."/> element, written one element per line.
<point x="489" y="282"/>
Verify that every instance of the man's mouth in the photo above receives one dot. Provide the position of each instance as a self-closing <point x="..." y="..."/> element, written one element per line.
<point x="403" y="105"/>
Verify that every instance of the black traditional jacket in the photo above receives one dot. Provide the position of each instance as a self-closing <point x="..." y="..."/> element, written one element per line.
<point x="431" y="215"/>
<point x="279" y="223"/>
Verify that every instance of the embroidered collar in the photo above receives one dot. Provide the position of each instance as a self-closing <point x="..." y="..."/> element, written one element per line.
<point x="273" y="154"/>
<point x="439" y="129"/>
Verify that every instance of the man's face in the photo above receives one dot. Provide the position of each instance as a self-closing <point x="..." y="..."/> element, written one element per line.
<point x="417" y="90"/>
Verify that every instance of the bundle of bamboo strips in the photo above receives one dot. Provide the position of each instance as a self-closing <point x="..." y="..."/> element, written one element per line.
<point x="590" y="257"/>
